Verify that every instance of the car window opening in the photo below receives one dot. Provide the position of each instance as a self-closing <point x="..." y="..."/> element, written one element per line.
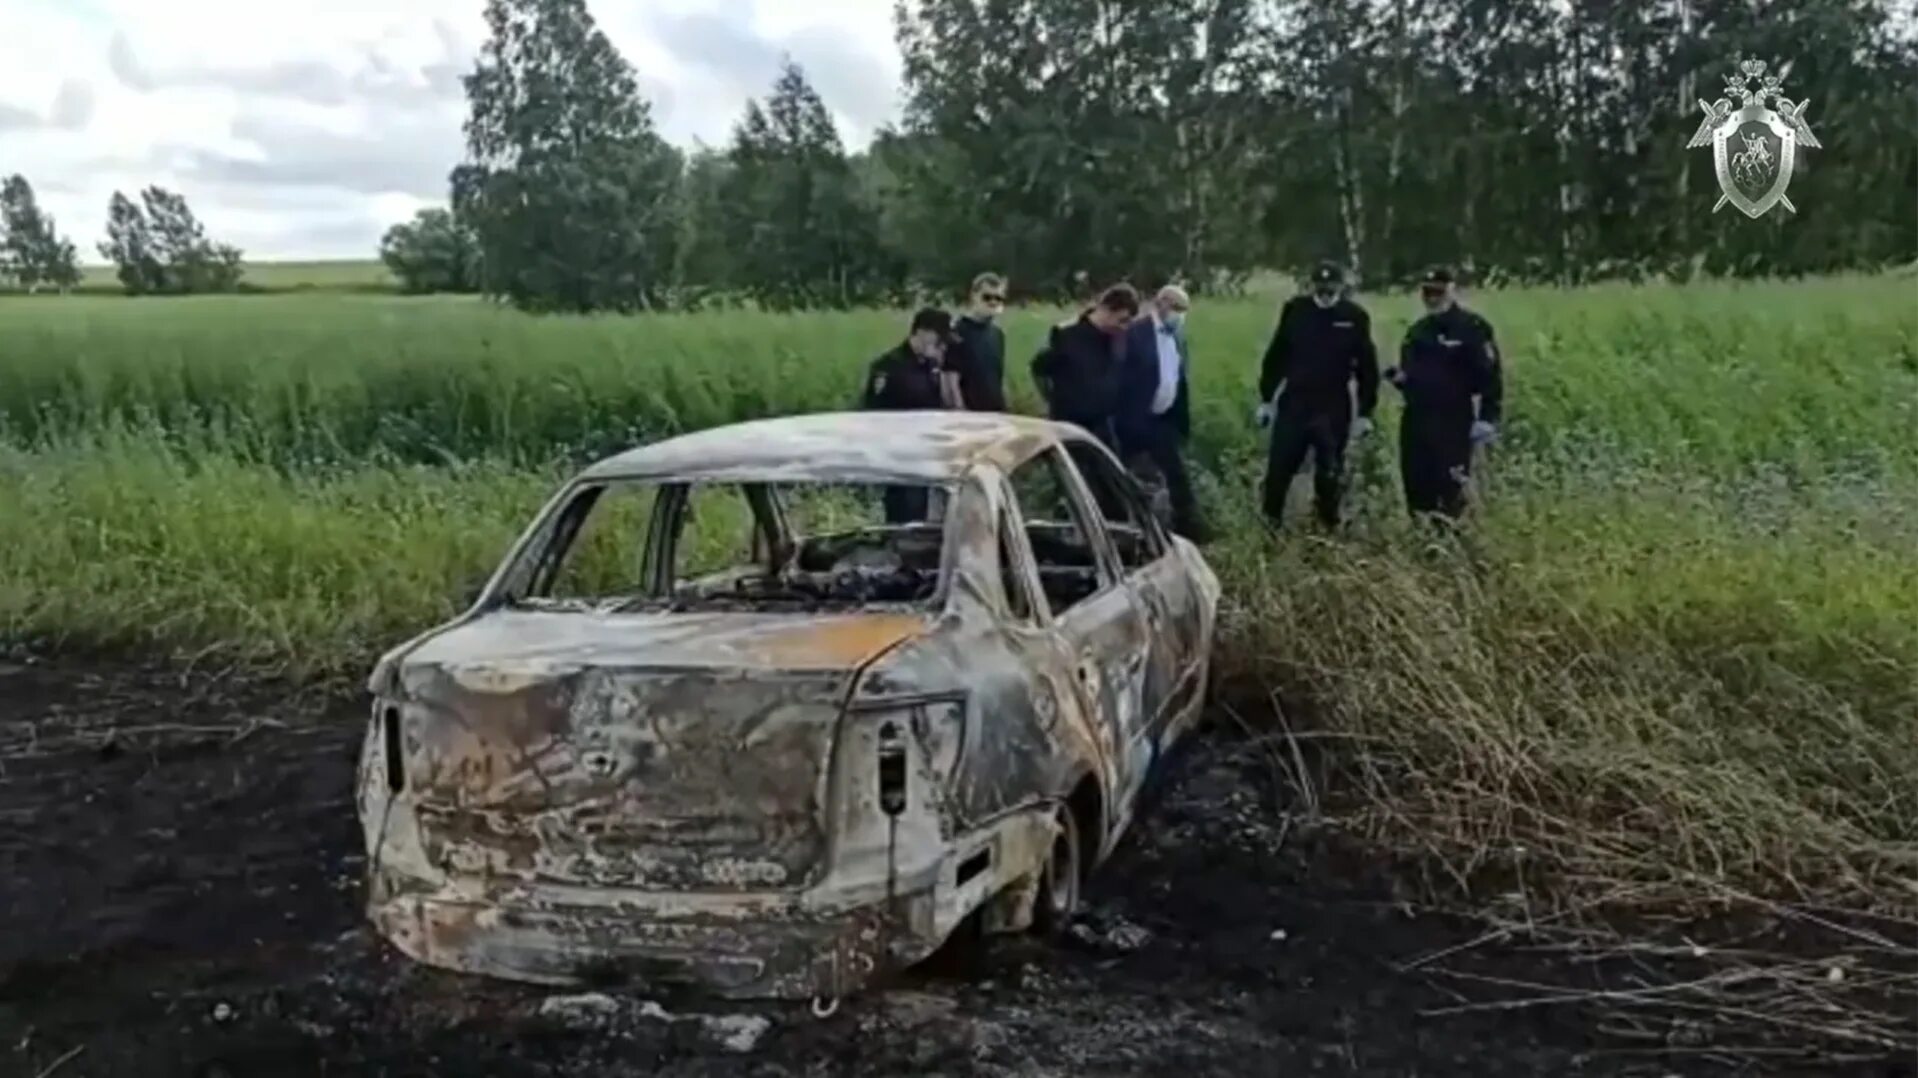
<point x="1134" y="531"/>
<point x="1070" y="570"/>
<point x="795" y="547"/>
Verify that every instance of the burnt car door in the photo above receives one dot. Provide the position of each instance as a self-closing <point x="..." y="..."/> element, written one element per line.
<point x="1161" y="582"/>
<point x="1096" y="617"/>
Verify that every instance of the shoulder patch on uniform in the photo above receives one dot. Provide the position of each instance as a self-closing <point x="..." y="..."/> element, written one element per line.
<point x="878" y="383"/>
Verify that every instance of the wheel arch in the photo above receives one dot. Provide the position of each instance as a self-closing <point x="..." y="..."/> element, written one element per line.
<point x="1086" y="800"/>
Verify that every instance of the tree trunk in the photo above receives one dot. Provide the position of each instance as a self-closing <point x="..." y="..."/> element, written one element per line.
<point x="1468" y="220"/>
<point x="1388" y="236"/>
<point x="1686" y="85"/>
<point x="1562" y="133"/>
<point x="1351" y="199"/>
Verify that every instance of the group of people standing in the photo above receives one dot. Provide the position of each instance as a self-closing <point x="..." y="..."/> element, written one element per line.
<point x="1122" y="377"/>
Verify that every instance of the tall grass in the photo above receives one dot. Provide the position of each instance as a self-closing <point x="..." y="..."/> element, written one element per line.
<point x="1805" y="378"/>
<point x="1679" y="643"/>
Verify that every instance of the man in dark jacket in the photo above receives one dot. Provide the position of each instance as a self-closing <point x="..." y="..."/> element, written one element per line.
<point x="1154" y="418"/>
<point x="1078" y="371"/>
<point x="1453" y="382"/>
<point x="978" y="355"/>
<point x="909" y="378"/>
<point x="1322" y="347"/>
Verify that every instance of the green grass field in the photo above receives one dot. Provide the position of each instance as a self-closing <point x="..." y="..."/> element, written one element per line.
<point x="1679" y="650"/>
<point x="324" y="276"/>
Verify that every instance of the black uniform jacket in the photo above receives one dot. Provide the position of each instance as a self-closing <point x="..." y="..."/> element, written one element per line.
<point x="1447" y="359"/>
<point x="900" y="381"/>
<point x="1317" y="353"/>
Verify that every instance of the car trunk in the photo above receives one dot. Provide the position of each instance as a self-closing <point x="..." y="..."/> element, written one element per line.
<point x="656" y="752"/>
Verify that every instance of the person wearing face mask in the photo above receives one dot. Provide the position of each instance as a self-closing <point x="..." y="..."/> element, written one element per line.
<point x="1078" y="371"/>
<point x="1154" y="412"/>
<point x="977" y="358"/>
<point x="1321" y="349"/>
<point x="911" y="377"/>
<point x="1452" y="379"/>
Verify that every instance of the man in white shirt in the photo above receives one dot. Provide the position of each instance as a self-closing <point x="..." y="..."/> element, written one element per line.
<point x="1154" y="411"/>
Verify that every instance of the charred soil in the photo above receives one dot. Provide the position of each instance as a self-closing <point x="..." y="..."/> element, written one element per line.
<point x="182" y="894"/>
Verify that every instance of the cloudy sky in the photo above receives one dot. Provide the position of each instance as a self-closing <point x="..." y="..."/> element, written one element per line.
<point x="303" y="128"/>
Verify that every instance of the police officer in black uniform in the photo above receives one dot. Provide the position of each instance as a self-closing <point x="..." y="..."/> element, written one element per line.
<point x="1323" y="345"/>
<point x="908" y="378"/>
<point x="1452" y="379"/>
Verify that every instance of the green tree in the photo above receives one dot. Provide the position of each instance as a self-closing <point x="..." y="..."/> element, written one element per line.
<point x="160" y="247"/>
<point x="1055" y="137"/>
<point x="129" y="246"/>
<point x="194" y="263"/>
<point x="32" y="251"/>
<point x="704" y="264"/>
<point x="434" y="252"/>
<point x="572" y="194"/>
<point x="800" y="230"/>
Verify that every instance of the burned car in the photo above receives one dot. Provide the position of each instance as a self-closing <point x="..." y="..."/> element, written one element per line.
<point x="721" y="721"/>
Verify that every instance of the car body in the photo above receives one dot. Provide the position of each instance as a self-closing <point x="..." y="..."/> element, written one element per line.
<point x="787" y="776"/>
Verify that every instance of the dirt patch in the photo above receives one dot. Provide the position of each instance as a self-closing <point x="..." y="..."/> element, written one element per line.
<point x="182" y="887"/>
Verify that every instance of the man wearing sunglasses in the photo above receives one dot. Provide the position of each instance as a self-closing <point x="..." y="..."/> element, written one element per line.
<point x="978" y="356"/>
<point x="1321" y="350"/>
<point x="1453" y="383"/>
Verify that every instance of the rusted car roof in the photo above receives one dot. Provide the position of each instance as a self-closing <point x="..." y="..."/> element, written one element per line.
<point x="931" y="446"/>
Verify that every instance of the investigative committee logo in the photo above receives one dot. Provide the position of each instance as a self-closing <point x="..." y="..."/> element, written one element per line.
<point x="1753" y="146"/>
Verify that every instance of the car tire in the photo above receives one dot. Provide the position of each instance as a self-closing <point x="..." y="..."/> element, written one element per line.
<point x="1059" y="879"/>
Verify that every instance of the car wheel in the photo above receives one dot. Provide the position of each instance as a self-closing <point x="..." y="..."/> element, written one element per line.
<point x="1059" y="878"/>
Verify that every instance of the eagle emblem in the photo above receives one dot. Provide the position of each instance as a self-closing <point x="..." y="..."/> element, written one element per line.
<point x="1754" y="146"/>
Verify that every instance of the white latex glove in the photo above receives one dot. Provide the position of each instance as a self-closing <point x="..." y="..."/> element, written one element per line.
<point x="1483" y="432"/>
<point x="1361" y="427"/>
<point x="1263" y="416"/>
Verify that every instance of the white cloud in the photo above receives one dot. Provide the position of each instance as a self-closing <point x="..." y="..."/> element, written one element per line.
<point x="302" y="128"/>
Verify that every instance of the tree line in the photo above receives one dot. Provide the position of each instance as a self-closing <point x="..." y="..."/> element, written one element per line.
<point x="156" y="245"/>
<point x="1071" y="141"/>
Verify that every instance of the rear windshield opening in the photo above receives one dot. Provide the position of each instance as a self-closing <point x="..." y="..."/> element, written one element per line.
<point x="654" y="546"/>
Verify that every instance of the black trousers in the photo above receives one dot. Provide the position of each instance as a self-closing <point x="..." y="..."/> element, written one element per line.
<point x="1324" y="431"/>
<point x="905" y="505"/>
<point x="1101" y="427"/>
<point x="1106" y="429"/>
<point x="1435" y="460"/>
<point x="1159" y="442"/>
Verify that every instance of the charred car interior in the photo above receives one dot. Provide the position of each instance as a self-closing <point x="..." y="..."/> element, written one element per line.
<point x="720" y="721"/>
<point x="640" y="545"/>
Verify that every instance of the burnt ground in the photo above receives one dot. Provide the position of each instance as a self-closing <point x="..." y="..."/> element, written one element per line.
<point x="181" y="881"/>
